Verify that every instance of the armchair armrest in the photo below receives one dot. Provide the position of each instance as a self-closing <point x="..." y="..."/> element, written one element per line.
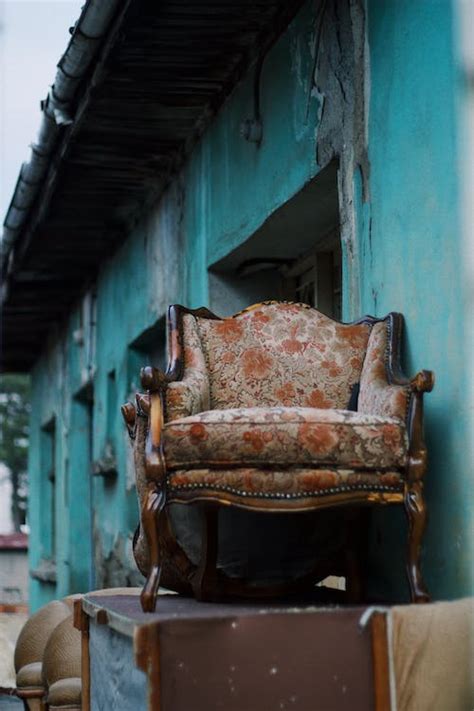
<point x="155" y="381"/>
<point x="167" y="398"/>
<point x="384" y="389"/>
<point x="136" y="421"/>
<point x="422" y="382"/>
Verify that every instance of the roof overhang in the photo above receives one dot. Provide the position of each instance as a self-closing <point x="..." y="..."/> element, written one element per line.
<point x="135" y="89"/>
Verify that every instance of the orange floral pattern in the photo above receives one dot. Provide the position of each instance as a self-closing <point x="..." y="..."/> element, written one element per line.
<point x="282" y="354"/>
<point x="191" y="394"/>
<point x="285" y="436"/>
<point x="295" y="482"/>
<point x="376" y="394"/>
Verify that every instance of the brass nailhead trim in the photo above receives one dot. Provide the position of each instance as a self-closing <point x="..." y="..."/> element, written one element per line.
<point x="277" y="495"/>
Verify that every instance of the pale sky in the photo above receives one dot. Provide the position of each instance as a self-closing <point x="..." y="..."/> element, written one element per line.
<point x="33" y="36"/>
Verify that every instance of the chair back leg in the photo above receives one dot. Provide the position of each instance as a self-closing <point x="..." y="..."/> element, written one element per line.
<point x="205" y="578"/>
<point x="356" y="555"/>
<point x="415" y="508"/>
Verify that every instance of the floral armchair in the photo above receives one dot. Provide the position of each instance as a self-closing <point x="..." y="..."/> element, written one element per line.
<point x="278" y="409"/>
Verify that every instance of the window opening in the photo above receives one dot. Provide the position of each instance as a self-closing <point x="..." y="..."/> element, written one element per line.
<point x="148" y="349"/>
<point x="316" y="279"/>
<point x="295" y="255"/>
<point x="106" y="465"/>
<point x="82" y="569"/>
<point x="48" y="477"/>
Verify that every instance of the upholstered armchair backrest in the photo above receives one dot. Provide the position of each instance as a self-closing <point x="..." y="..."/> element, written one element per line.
<point x="274" y="354"/>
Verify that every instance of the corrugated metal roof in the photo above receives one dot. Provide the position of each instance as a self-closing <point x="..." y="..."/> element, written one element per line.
<point x="161" y="74"/>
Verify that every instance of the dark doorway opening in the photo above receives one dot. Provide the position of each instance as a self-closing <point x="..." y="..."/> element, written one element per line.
<point x="295" y="255"/>
<point x="82" y="570"/>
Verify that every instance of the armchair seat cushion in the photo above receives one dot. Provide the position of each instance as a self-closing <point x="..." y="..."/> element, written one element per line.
<point x="285" y="437"/>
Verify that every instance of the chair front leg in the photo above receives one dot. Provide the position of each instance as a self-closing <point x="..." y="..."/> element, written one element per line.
<point x="154" y="505"/>
<point x="415" y="508"/>
<point x="155" y="468"/>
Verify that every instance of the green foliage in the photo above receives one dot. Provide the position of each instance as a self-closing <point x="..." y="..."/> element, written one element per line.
<point x="14" y="431"/>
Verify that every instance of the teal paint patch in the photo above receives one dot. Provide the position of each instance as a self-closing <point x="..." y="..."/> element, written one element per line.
<point x="227" y="189"/>
<point x="233" y="185"/>
<point x="79" y="498"/>
<point x="411" y="258"/>
<point x="407" y="237"/>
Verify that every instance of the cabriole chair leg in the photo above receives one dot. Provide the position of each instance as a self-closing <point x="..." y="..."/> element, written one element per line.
<point x="154" y="505"/>
<point x="415" y="509"/>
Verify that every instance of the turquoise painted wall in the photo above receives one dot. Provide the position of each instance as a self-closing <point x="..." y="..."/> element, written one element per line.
<point x="223" y="205"/>
<point x="210" y="208"/>
<point x="410" y="240"/>
<point x="407" y="235"/>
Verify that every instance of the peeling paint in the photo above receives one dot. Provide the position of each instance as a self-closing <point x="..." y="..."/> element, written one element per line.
<point x="115" y="568"/>
<point x="340" y="77"/>
<point x="398" y="231"/>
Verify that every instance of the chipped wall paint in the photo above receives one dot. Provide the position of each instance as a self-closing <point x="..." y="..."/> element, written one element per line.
<point x="223" y="206"/>
<point x="341" y="80"/>
<point x="211" y="208"/>
<point x="398" y="206"/>
<point x="409" y="237"/>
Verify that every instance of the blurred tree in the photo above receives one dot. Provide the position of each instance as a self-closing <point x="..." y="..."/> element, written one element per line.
<point x="14" y="430"/>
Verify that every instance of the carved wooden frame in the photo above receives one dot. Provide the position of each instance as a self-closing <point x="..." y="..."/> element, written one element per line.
<point x="203" y="579"/>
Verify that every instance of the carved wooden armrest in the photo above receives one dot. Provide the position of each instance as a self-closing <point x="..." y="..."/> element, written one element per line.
<point x="129" y="414"/>
<point x="155" y="382"/>
<point x="153" y="379"/>
<point x="422" y="382"/>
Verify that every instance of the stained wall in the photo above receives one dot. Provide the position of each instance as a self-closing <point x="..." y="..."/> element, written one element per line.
<point x="373" y="106"/>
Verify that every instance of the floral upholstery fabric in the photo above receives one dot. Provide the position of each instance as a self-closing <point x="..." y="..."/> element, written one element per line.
<point x="282" y="354"/>
<point x="376" y="395"/>
<point x="191" y="394"/>
<point x="295" y="482"/>
<point x="285" y="436"/>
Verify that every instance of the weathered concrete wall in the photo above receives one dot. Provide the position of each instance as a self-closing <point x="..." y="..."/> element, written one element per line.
<point x="95" y="516"/>
<point x="227" y="190"/>
<point x="13" y="576"/>
<point x="370" y="104"/>
<point x="341" y="81"/>
<point x="409" y="239"/>
<point x="233" y="185"/>
<point x="115" y="680"/>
